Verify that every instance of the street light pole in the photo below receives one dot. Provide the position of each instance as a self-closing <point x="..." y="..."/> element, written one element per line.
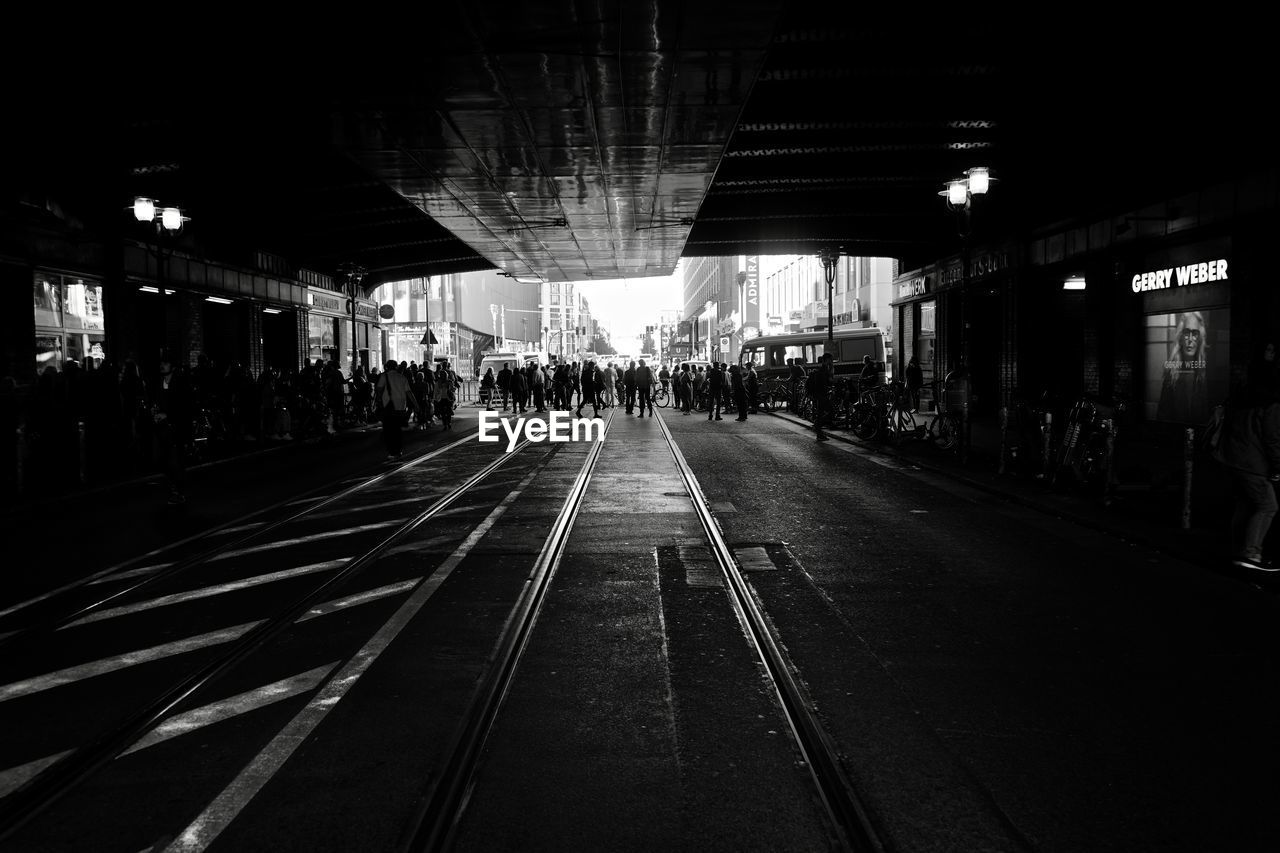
<point x="354" y="274"/>
<point x="168" y="223"/>
<point x="830" y="258"/>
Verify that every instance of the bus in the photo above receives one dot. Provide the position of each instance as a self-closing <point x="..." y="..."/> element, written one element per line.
<point x="769" y="353"/>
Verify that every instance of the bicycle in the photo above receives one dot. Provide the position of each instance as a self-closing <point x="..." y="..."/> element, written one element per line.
<point x="900" y="419"/>
<point x="945" y="431"/>
<point x="661" y="397"/>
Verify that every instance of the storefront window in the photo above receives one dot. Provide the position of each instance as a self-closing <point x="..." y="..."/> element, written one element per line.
<point x="48" y="352"/>
<point x="48" y="300"/>
<point x="69" y="318"/>
<point x="928" y="317"/>
<point x="322" y="336"/>
<point x="1188" y="364"/>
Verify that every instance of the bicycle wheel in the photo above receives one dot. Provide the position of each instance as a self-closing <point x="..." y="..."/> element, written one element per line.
<point x="945" y="432"/>
<point x="865" y="421"/>
<point x="901" y="424"/>
<point x="662" y="398"/>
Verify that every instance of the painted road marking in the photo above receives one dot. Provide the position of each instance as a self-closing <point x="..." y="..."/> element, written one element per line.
<point x="219" y="814"/>
<point x="359" y="598"/>
<point x="111" y="664"/>
<point x="189" y="721"/>
<point x="207" y="592"/>
<point x="315" y="537"/>
<point x="225" y="709"/>
<point x="132" y="573"/>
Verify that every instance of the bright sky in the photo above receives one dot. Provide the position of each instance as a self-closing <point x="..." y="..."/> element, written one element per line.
<point x="625" y="306"/>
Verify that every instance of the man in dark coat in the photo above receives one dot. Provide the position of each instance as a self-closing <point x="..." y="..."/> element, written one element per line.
<point x="716" y="378"/>
<point x="1250" y="450"/>
<point x="629" y="383"/>
<point x="588" y="380"/>
<point x="504" y="383"/>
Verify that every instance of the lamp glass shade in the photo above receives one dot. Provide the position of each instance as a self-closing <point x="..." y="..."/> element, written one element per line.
<point x="144" y="209"/>
<point x="171" y="218"/>
<point x="957" y="192"/>
<point x="979" y="180"/>
<point x="1074" y="283"/>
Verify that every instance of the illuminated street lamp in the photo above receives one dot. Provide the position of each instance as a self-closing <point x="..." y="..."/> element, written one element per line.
<point x="168" y="223"/>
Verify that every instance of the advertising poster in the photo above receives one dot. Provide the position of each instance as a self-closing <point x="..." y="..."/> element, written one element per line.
<point x="1188" y="367"/>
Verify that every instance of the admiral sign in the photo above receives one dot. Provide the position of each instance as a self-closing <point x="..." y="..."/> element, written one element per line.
<point x="751" y="292"/>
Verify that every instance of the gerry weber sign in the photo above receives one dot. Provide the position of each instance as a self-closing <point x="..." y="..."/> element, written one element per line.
<point x="1180" y="276"/>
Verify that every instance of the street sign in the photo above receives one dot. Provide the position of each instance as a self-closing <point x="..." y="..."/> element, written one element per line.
<point x="724" y="343"/>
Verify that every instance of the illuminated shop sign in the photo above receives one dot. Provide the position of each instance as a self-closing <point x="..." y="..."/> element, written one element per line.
<point x="1180" y="276"/>
<point x="917" y="286"/>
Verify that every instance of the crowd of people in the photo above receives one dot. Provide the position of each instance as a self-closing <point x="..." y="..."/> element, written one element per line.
<point x="572" y="386"/>
<point x="98" y="422"/>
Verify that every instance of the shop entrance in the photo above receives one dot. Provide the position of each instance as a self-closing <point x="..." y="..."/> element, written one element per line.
<point x="986" y="338"/>
<point x="280" y="341"/>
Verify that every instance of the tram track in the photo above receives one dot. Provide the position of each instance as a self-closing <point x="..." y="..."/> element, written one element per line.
<point x="844" y="807"/>
<point x="64" y="774"/>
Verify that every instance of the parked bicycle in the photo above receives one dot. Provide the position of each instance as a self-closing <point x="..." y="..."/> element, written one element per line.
<point x="1087" y="453"/>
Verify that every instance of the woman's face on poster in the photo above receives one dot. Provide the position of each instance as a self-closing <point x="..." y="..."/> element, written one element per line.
<point x="1190" y="338"/>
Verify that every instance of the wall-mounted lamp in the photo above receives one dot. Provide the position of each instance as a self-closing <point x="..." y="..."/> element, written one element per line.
<point x="1076" y="282"/>
<point x="218" y="299"/>
<point x="270" y="310"/>
<point x="146" y="288"/>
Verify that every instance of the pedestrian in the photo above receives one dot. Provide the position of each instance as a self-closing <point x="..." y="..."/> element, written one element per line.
<point x="684" y="385"/>
<point x="487" y="384"/>
<point x="608" y="385"/>
<point x="445" y="396"/>
<point x="644" y="387"/>
<point x="172" y="410"/>
<point x="629" y="387"/>
<point x="588" y="385"/>
<point x="664" y="376"/>
<point x="519" y="391"/>
<point x="796" y="380"/>
<point x="1250" y="450"/>
<point x="752" y="381"/>
<point x="537" y="387"/>
<point x="715" y="380"/>
<point x="818" y="386"/>
<point x="394" y="398"/>
<point x="739" y="390"/>
<point x="868" y="376"/>
<point x="915" y="381"/>
<point x="504" y="383"/>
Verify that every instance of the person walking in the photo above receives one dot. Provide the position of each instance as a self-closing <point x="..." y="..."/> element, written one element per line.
<point x="1250" y="450"/>
<point x="172" y="409"/>
<point x="394" y="398"/>
<point x="504" y="383"/>
<point x="519" y="391"/>
<point x="716" y="380"/>
<point x="739" y="390"/>
<point x="684" y="385"/>
<point x="488" y="384"/>
<point x="796" y="379"/>
<point x="819" y="386"/>
<point x="915" y="381"/>
<point x="587" y="380"/>
<point x="444" y="396"/>
<point x="644" y="387"/>
<point x="629" y="387"/>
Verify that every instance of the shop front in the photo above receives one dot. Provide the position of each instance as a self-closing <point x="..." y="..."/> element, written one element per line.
<point x="329" y="328"/>
<point x="70" y="323"/>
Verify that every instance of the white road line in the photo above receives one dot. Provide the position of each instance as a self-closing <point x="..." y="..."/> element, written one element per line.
<point x="15" y="777"/>
<point x="315" y="537"/>
<point x="180" y="724"/>
<point x="111" y="664"/>
<point x="359" y="598"/>
<point x="227" y="805"/>
<point x="225" y="709"/>
<point x="206" y="592"/>
<point x="131" y="573"/>
<point x="89" y="670"/>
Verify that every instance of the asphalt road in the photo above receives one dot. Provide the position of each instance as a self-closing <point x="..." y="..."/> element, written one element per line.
<point x="992" y="677"/>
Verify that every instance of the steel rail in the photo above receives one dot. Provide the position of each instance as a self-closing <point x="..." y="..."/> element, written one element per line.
<point x="845" y="808"/>
<point x="441" y="808"/>
<point x="170" y="571"/>
<point x="45" y="789"/>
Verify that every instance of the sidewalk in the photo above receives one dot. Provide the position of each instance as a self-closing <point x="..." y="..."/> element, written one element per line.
<point x="1134" y="515"/>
